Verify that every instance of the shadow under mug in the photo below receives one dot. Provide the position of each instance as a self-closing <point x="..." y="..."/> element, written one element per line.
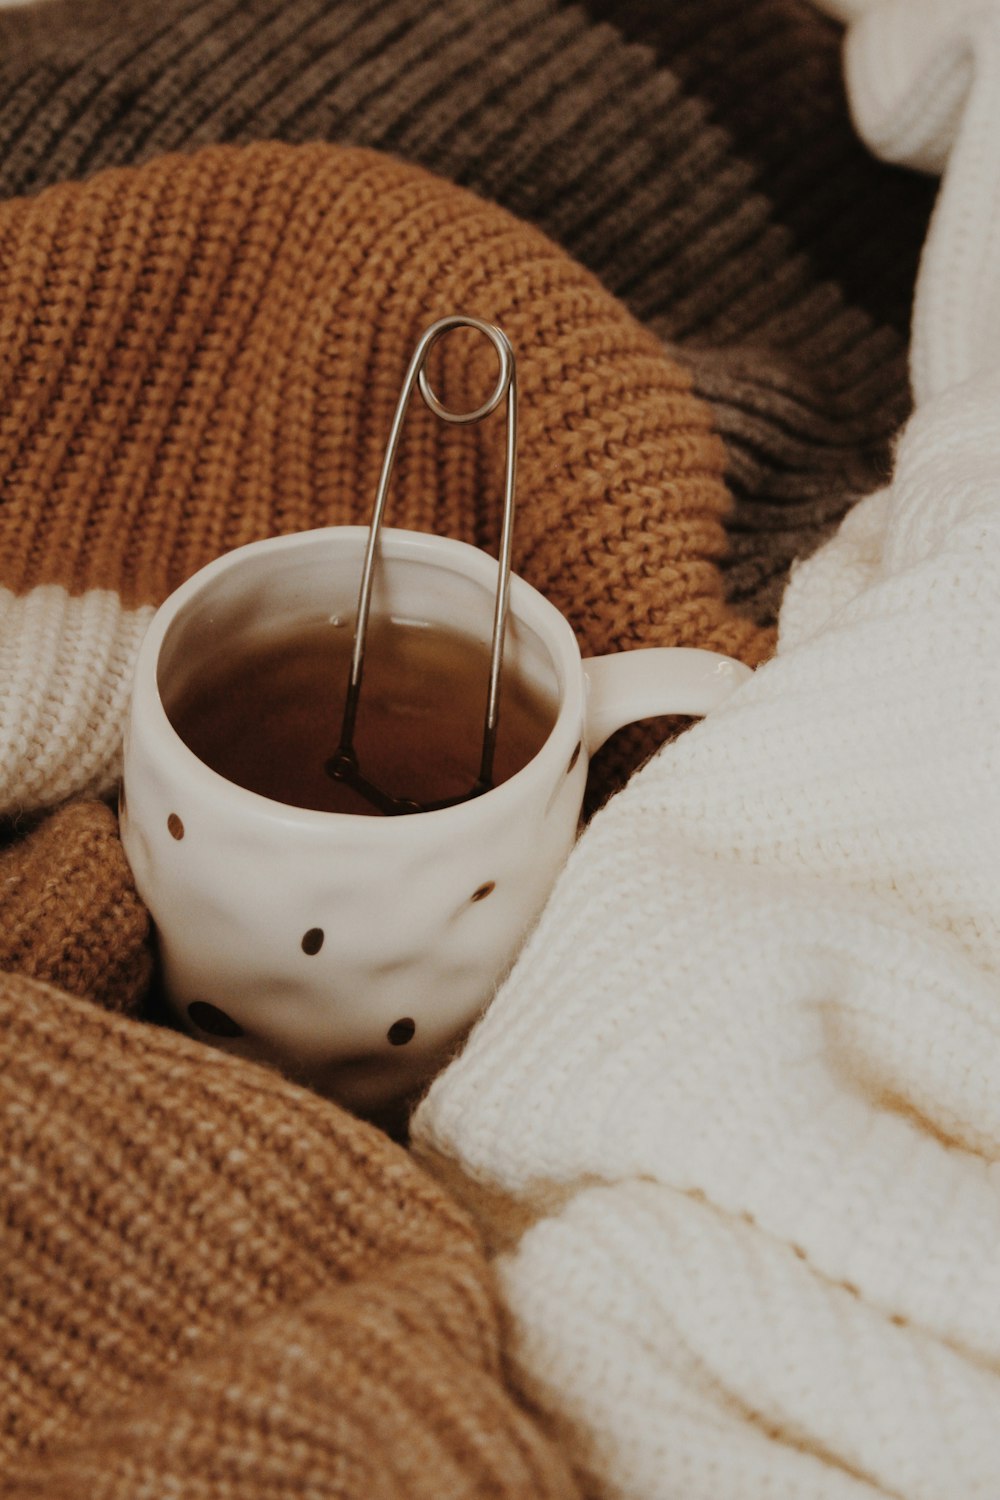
<point x="352" y="950"/>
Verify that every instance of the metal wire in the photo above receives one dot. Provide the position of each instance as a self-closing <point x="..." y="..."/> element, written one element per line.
<point x="343" y="764"/>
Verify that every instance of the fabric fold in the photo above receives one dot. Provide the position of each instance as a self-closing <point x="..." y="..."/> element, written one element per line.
<point x="741" y="1084"/>
<point x="218" y="1283"/>
<point x="697" y="157"/>
<point x="209" y="349"/>
<point x="925" y="90"/>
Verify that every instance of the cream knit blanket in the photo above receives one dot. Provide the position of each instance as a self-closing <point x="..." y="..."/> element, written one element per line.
<point x="733" y="1123"/>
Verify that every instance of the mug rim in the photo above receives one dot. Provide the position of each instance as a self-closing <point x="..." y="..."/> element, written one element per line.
<point x="525" y="603"/>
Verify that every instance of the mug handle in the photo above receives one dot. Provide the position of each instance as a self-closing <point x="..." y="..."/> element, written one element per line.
<point x="630" y="685"/>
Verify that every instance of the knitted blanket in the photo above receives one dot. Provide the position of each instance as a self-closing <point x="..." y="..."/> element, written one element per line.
<point x="733" y="1120"/>
<point x="208" y="349"/>
<point x="213" y="1282"/>
<point x="696" y="156"/>
<point x="698" y="161"/>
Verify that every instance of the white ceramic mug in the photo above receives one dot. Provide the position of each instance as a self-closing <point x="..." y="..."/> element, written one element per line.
<point x="353" y="950"/>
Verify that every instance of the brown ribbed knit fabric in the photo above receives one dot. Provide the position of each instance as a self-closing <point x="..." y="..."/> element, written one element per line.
<point x="697" y="156"/>
<point x="208" y="350"/>
<point x="217" y="1285"/>
<point x="69" y="912"/>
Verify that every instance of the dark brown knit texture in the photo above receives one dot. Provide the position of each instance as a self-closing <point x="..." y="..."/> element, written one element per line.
<point x="69" y="912"/>
<point x="216" y="1284"/>
<point x="697" y="156"/>
<point x="769" y="72"/>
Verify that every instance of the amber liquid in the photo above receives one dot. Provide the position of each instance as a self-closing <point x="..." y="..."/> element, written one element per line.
<point x="268" y="715"/>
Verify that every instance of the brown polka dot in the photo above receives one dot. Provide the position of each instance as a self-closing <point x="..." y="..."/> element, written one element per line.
<point x="213" y="1020"/>
<point x="483" y="891"/>
<point x="574" y="758"/>
<point x="401" y="1032"/>
<point x="175" y="826"/>
<point x="850" y="1287"/>
<point x="312" y="941"/>
<point x="899" y="1320"/>
<point x="798" y="1250"/>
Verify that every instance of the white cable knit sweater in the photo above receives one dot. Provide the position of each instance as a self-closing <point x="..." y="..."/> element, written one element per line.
<point x="734" y="1120"/>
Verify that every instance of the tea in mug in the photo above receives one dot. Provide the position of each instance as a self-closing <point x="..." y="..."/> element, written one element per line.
<point x="266" y="714"/>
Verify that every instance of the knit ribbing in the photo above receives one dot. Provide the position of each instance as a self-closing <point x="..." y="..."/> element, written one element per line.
<point x="707" y="175"/>
<point x="69" y="912"/>
<point x="797" y="131"/>
<point x="753" y="1039"/>
<point x="749" y="1057"/>
<point x="208" y="350"/>
<point x="216" y="1282"/>
<point x="66" y="673"/>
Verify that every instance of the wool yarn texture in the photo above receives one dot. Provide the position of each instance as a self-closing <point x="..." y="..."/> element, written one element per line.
<point x="697" y="157"/>
<point x="730" y="1126"/>
<point x="732" y="1122"/>
<point x="69" y="910"/>
<point x="208" y="350"/>
<point x="215" y="1283"/>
